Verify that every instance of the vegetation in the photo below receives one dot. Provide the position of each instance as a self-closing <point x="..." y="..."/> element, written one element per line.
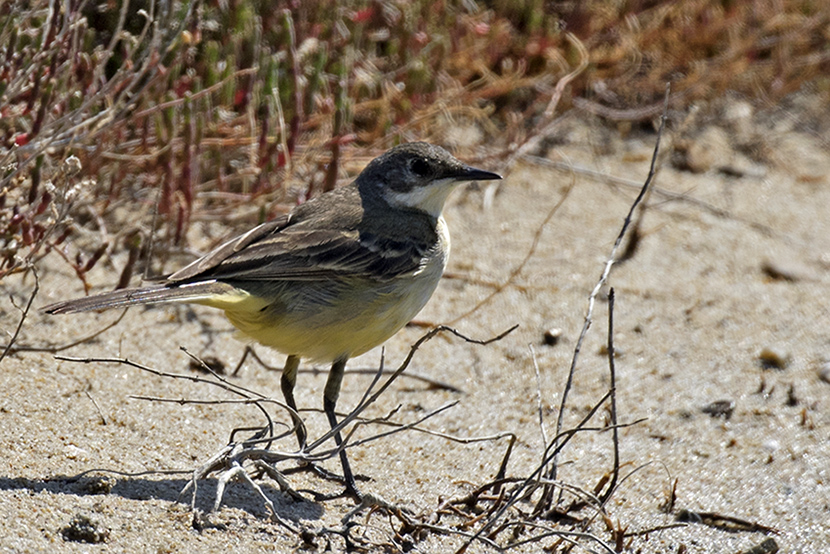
<point x="113" y="112"/>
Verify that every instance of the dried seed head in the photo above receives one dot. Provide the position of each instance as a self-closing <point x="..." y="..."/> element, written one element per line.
<point x="72" y="165"/>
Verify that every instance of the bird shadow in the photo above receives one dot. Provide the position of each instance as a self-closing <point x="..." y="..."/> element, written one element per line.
<point x="237" y="495"/>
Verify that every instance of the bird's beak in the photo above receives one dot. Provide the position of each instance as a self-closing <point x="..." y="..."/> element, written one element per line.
<point x="474" y="174"/>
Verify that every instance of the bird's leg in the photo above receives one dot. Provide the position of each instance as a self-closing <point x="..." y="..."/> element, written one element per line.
<point x="330" y="395"/>
<point x="287" y="382"/>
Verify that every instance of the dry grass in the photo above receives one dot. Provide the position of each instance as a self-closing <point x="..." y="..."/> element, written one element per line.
<point x="115" y="111"/>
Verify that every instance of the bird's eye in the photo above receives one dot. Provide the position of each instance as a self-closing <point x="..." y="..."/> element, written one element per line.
<point x="419" y="167"/>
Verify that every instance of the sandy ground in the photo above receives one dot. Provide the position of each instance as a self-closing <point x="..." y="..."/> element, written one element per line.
<point x="733" y="261"/>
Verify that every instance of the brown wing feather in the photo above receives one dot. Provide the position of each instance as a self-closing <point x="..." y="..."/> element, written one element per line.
<point x="313" y="244"/>
<point x="312" y="255"/>
<point x="215" y="258"/>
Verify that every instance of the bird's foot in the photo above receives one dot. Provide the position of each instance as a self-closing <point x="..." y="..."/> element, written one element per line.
<point x="350" y="490"/>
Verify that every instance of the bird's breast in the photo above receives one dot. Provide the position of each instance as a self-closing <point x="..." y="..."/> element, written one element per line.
<point x="329" y="319"/>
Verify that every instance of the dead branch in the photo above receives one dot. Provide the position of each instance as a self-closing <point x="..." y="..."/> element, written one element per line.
<point x="24" y="312"/>
<point x="613" y="388"/>
<point x="604" y="277"/>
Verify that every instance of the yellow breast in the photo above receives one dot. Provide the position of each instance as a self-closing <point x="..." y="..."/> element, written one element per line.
<point x="327" y="320"/>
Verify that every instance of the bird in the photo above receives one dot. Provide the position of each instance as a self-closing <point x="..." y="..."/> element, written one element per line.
<point x="335" y="277"/>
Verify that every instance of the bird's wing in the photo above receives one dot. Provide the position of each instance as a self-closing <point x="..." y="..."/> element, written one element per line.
<point x="213" y="259"/>
<point x="306" y="250"/>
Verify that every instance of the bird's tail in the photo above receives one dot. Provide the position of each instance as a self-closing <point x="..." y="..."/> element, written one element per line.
<point x="200" y="292"/>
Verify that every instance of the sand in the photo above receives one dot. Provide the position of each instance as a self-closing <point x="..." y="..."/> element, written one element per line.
<point x="731" y="261"/>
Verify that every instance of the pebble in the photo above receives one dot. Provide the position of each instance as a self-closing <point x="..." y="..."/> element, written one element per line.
<point x="99" y="484"/>
<point x="75" y="453"/>
<point x="824" y="372"/>
<point x="771" y="445"/>
<point x="781" y="269"/>
<point x="767" y="546"/>
<point x="552" y="336"/>
<point x="720" y="408"/>
<point x="774" y="357"/>
<point x="83" y="529"/>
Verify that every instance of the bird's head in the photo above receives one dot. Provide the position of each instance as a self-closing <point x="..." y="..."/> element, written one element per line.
<point x="418" y="176"/>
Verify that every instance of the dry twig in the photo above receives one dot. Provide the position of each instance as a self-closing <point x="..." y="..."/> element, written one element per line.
<point x="603" y="278"/>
